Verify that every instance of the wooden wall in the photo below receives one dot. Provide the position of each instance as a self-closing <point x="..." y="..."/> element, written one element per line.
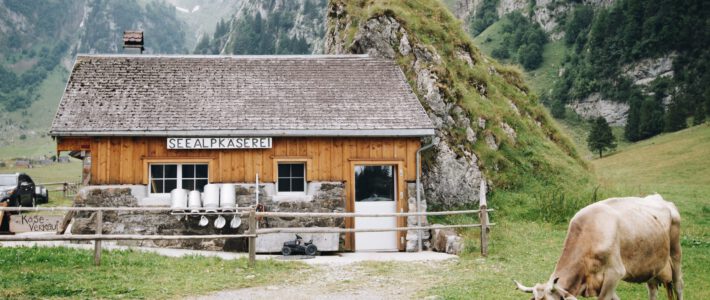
<point x="122" y="160"/>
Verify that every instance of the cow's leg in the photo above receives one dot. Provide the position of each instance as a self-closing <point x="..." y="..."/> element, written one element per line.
<point x="652" y="289"/>
<point x="676" y="254"/>
<point x="612" y="275"/>
<point x="611" y="280"/>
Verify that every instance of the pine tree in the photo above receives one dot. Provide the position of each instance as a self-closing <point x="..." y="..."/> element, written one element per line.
<point x="600" y="137"/>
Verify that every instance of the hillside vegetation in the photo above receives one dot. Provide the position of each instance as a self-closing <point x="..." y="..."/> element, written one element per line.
<point x="536" y="163"/>
<point x="268" y="27"/>
<point x="615" y="52"/>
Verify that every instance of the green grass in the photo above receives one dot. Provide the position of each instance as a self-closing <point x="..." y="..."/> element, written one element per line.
<point x="70" y="273"/>
<point x="541" y="79"/>
<point x="578" y="128"/>
<point x="490" y="39"/>
<point x="69" y="172"/>
<point x="675" y="165"/>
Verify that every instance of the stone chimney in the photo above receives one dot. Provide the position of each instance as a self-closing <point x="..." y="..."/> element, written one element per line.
<point x="133" y="40"/>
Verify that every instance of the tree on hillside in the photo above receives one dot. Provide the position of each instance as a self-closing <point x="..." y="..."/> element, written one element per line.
<point x="600" y="137"/>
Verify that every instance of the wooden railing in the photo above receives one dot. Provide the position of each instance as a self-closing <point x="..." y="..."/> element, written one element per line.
<point x="68" y="189"/>
<point x="251" y="233"/>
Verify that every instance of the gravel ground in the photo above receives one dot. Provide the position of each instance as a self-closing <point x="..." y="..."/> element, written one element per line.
<point x="365" y="280"/>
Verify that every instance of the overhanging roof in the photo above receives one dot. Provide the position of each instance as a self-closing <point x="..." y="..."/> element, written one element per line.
<point x="198" y="95"/>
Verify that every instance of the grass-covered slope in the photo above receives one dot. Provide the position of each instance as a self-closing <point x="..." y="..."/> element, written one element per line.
<point x="674" y="165"/>
<point x="539" y="161"/>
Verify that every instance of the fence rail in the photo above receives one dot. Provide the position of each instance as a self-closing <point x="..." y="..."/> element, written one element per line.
<point x="68" y="189"/>
<point x="252" y="231"/>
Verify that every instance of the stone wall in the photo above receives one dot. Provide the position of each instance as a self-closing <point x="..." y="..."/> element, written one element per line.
<point x="322" y="197"/>
<point x="413" y="235"/>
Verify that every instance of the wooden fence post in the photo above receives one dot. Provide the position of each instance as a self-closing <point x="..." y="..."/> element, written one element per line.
<point x="99" y="231"/>
<point x="483" y="217"/>
<point x="252" y="238"/>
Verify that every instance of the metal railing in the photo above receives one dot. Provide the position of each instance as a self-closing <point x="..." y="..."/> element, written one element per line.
<point x="252" y="232"/>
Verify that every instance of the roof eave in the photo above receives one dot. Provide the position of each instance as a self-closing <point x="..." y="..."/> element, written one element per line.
<point x="409" y="132"/>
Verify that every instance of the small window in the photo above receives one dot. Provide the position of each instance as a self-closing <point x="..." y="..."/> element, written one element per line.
<point x="194" y="177"/>
<point x="166" y="177"/>
<point x="292" y="177"/>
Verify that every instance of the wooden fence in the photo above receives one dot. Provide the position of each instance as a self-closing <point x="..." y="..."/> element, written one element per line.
<point x="68" y="189"/>
<point x="251" y="233"/>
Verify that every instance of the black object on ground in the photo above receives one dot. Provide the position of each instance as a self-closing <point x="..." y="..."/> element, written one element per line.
<point x="298" y="246"/>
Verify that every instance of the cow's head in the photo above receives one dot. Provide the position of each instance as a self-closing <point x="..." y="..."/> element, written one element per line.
<point x="546" y="291"/>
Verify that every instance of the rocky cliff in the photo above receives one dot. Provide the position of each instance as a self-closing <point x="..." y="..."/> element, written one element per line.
<point x="273" y="27"/>
<point x="547" y="13"/>
<point x="488" y="126"/>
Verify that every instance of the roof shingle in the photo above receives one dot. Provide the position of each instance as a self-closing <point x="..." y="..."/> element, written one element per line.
<point x="248" y="95"/>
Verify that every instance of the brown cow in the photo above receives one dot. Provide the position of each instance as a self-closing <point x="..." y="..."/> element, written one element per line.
<point x="631" y="239"/>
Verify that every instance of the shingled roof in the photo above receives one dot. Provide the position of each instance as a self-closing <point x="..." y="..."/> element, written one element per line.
<point x="149" y="95"/>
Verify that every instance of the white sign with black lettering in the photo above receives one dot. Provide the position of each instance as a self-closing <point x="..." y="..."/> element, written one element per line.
<point x="219" y="143"/>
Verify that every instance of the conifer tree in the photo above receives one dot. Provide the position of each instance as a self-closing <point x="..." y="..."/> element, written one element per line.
<point x="600" y="137"/>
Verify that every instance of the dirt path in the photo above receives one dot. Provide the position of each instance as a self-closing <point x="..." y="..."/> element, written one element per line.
<point x="367" y="280"/>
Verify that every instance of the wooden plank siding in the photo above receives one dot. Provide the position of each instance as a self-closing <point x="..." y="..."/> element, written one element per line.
<point x="120" y="160"/>
<point x="124" y="160"/>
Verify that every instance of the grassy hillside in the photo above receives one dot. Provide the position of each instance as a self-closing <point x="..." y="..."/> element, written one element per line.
<point x="675" y="165"/>
<point x="35" y="121"/>
<point x="540" y="161"/>
<point x="540" y="79"/>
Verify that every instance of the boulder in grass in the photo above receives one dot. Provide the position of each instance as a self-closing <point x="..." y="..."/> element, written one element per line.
<point x="446" y="240"/>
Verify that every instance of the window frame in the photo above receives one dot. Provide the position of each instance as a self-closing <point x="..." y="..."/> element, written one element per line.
<point x="178" y="177"/>
<point x="277" y="163"/>
<point x="147" y="162"/>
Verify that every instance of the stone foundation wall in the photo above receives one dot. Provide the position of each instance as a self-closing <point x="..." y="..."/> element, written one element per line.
<point x="413" y="235"/>
<point x="322" y="197"/>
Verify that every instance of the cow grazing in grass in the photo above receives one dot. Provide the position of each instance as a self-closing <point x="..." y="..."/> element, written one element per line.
<point x="631" y="239"/>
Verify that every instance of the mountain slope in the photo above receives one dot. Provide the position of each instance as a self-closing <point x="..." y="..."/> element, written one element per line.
<point x="39" y="40"/>
<point x="489" y="127"/>
<point x="268" y="27"/>
<point x="644" y="61"/>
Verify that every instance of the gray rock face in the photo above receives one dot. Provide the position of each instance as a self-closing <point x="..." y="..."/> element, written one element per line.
<point x="594" y="106"/>
<point x="310" y="29"/>
<point x="642" y="73"/>
<point x="545" y="12"/>
<point x="463" y="9"/>
<point x="454" y="176"/>
<point x="645" y="71"/>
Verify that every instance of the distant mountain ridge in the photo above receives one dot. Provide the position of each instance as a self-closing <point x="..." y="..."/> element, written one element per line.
<point x="39" y="40"/>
